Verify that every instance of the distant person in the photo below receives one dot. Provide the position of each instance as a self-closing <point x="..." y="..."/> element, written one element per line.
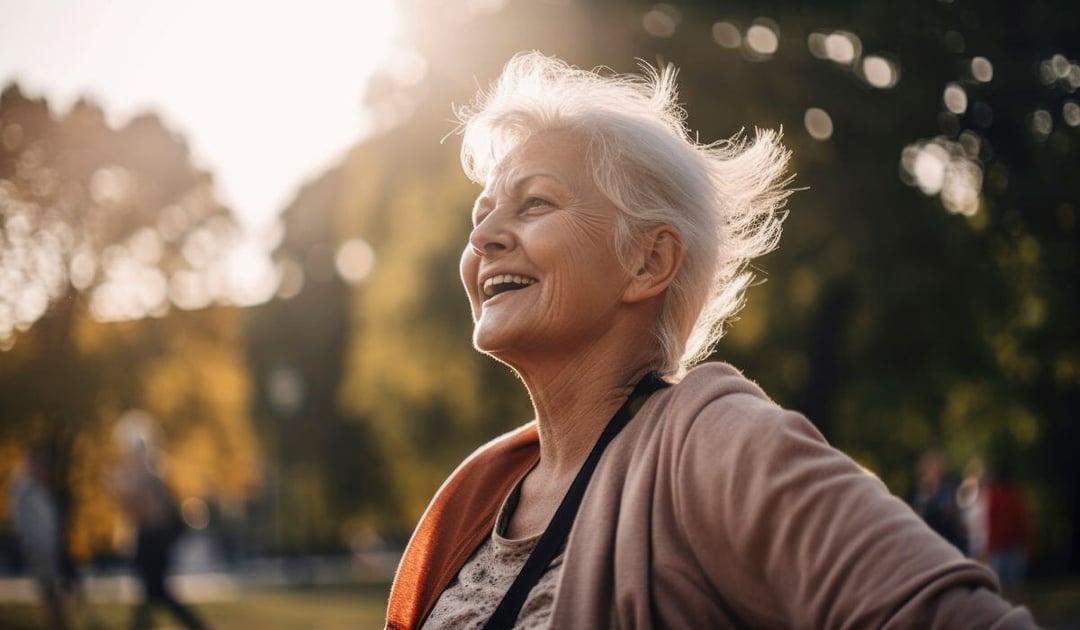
<point x="935" y="499"/>
<point x="36" y="520"/>
<point x="971" y="497"/>
<point x="150" y="504"/>
<point x="1008" y="527"/>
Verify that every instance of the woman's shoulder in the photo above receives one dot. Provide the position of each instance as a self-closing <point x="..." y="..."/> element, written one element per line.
<point x="715" y="420"/>
<point x="718" y="397"/>
<point x="715" y="380"/>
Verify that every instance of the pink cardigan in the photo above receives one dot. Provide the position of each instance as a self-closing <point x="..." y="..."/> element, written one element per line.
<point x="714" y="508"/>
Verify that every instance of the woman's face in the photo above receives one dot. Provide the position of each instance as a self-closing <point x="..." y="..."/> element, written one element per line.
<point x="540" y="266"/>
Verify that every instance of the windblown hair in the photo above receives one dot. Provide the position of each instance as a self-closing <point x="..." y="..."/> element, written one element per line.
<point x="725" y="198"/>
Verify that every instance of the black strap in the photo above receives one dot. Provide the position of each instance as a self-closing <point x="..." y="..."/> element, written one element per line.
<point x="553" y="538"/>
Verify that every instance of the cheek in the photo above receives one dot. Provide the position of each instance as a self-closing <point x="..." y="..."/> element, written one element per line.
<point x="468" y="268"/>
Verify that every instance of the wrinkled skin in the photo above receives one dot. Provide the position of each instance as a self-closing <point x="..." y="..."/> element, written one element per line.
<point x="542" y="216"/>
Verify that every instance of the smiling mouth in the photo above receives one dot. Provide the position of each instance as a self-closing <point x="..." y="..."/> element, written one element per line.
<point x="504" y="283"/>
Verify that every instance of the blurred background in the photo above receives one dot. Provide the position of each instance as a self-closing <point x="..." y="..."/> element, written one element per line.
<point x="228" y="261"/>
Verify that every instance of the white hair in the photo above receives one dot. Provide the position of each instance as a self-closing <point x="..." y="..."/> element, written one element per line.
<point x="724" y="199"/>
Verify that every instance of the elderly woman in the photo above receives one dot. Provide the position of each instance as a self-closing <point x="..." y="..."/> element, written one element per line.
<point x="608" y="248"/>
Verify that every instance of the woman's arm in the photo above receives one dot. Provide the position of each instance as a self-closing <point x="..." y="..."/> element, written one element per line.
<point x="786" y="525"/>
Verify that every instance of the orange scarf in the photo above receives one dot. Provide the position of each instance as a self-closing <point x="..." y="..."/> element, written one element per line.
<point x="458" y="519"/>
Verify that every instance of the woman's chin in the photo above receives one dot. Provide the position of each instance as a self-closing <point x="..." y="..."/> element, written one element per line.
<point x="500" y="343"/>
<point x="494" y="343"/>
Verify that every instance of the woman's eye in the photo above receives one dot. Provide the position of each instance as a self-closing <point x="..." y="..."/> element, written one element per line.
<point x="536" y="202"/>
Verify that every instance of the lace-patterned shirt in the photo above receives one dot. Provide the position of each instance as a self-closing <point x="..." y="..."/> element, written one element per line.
<point x="473" y="595"/>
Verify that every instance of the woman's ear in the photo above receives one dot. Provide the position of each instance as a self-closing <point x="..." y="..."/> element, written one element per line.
<point x="660" y="257"/>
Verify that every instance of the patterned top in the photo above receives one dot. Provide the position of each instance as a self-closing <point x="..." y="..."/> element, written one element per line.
<point x="473" y="595"/>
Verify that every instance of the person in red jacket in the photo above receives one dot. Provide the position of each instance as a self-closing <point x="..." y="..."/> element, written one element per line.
<point x="1008" y="528"/>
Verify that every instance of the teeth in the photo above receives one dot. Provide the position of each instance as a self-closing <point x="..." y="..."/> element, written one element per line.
<point x="494" y="281"/>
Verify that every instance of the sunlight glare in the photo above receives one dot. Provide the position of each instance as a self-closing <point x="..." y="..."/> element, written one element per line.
<point x="251" y="277"/>
<point x="267" y="94"/>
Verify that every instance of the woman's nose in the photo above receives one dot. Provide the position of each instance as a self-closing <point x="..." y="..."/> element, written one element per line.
<point x="491" y="236"/>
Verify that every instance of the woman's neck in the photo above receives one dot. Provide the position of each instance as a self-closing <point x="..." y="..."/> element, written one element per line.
<point x="575" y="399"/>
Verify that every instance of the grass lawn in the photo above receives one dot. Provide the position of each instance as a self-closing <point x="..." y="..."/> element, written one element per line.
<point x="317" y="608"/>
<point x="1056" y="604"/>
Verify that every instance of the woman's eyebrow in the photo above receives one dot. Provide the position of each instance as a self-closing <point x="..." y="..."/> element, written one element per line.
<point x="524" y="180"/>
<point x="516" y="178"/>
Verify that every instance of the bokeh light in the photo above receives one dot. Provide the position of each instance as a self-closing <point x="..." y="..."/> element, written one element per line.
<point x="251" y="276"/>
<point x="762" y="39"/>
<point x="815" y="43"/>
<point x="1061" y="71"/>
<point x="928" y="165"/>
<point x="818" y="123"/>
<point x="662" y="20"/>
<point x="945" y="168"/>
<point x="195" y="512"/>
<point x="286" y="389"/>
<point x="188" y="290"/>
<point x="1070" y="113"/>
<point x="290" y="279"/>
<point x="982" y="70"/>
<point x="1041" y="124"/>
<point x="880" y="72"/>
<point x="955" y="98"/>
<point x="354" y="260"/>
<point x="843" y="47"/>
<point x="726" y="34"/>
<point x="1060" y="65"/>
<point x="110" y="185"/>
<point x="136" y="429"/>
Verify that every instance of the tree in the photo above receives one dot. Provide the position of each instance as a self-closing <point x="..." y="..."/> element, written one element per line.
<point x="921" y="295"/>
<point x="114" y="225"/>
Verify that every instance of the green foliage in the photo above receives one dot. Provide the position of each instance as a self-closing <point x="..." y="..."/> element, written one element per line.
<point x="896" y="320"/>
<point x="410" y="366"/>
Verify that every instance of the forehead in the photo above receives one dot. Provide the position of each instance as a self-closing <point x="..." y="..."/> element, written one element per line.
<point x="560" y="154"/>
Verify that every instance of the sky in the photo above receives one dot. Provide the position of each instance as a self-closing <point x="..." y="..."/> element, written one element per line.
<point x="267" y="94"/>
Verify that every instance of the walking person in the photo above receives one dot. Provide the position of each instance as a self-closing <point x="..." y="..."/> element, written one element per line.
<point x="935" y="500"/>
<point x="36" y="521"/>
<point x="150" y="504"/>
